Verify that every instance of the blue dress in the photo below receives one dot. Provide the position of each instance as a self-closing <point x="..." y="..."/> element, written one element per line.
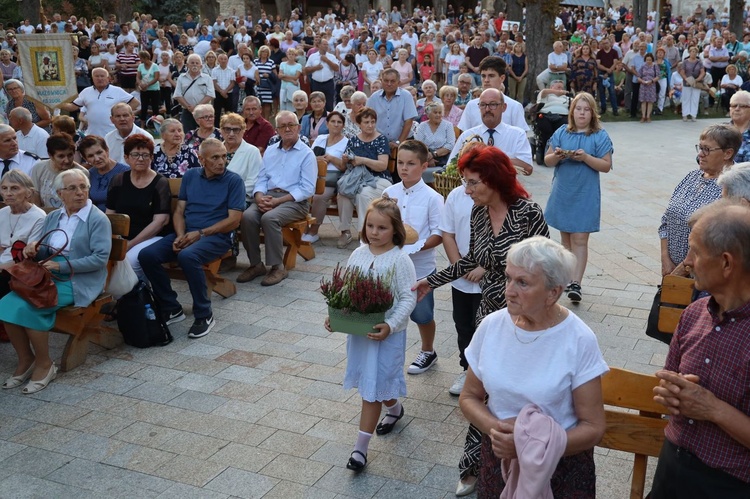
<point x="575" y="202"/>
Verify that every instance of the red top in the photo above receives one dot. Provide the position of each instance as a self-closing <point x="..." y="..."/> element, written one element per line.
<point x="259" y="134"/>
<point x="718" y="352"/>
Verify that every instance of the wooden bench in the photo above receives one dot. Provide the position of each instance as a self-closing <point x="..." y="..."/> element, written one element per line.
<point x="84" y="324"/>
<point x="676" y="295"/>
<point x="639" y="433"/>
<point x="214" y="281"/>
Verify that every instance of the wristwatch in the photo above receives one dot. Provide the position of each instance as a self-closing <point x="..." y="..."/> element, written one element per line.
<point x="202" y="234"/>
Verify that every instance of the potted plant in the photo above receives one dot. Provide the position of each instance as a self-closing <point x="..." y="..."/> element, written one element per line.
<point x="357" y="300"/>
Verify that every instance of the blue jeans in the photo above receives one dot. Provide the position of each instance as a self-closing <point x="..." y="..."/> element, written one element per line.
<point x="611" y="90"/>
<point x="191" y="260"/>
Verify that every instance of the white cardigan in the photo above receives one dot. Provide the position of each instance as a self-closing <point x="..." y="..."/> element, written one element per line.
<point x="246" y="163"/>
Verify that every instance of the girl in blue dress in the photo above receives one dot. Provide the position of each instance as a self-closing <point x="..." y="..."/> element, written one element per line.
<point x="375" y="363"/>
<point x="580" y="150"/>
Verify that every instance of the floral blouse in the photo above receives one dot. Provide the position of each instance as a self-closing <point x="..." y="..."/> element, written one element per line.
<point x="371" y="150"/>
<point x="194" y="140"/>
<point x="185" y="158"/>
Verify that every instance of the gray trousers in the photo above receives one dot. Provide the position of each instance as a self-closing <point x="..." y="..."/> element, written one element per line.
<point x="271" y="222"/>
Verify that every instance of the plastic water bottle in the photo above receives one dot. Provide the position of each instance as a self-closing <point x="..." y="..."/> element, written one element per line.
<point x="150" y="315"/>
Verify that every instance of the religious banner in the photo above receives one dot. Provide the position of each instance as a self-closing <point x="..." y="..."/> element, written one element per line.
<point x="508" y="25"/>
<point x="47" y="65"/>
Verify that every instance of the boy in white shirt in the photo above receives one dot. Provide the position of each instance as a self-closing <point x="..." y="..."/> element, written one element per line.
<point x="421" y="208"/>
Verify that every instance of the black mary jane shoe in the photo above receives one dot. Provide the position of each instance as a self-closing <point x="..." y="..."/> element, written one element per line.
<point x="386" y="428"/>
<point x="355" y="465"/>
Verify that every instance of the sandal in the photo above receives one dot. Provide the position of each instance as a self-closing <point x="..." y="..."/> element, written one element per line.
<point x="355" y="465"/>
<point x="15" y="381"/>
<point x="386" y="428"/>
<point x="110" y="311"/>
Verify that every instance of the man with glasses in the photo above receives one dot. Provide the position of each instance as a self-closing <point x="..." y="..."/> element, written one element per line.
<point x="284" y="186"/>
<point x="193" y="87"/>
<point x="124" y="120"/>
<point x="509" y="139"/>
<point x="395" y="108"/>
<point x="739" y="110"/>
<point x="209" y="208"/>
<point x="99" y="99"/>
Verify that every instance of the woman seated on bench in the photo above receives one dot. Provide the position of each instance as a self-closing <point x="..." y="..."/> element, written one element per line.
<point x="144" y="196"/>
<point x="89" y="237"/>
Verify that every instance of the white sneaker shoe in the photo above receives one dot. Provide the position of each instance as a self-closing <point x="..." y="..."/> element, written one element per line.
<point x="458" y="385"/>
<point x="310" y="238"/>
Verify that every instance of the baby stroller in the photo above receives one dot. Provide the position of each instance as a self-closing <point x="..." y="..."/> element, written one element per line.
<point x="543" y="125"/>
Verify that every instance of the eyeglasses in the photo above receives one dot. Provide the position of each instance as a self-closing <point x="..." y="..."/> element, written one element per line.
<point x="140" y="155"/>
<point x="287" y="127"/>
<point x="740" y="106"/>
<point x="230" y="131"/>
<point x="706" y="150"/>
<point x="75" y="188"/>
<point x="490" y="105"/>
<point x="207" y="117"/>
<point x="470" y="184"/>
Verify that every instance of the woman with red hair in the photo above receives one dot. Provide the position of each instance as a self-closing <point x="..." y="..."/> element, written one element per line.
<point x="502" y="215"/>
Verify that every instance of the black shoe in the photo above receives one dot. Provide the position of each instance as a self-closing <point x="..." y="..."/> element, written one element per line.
<point x="423" y="362"/>
<point x="201" y="327"/>
<point x="574" y="292"/>
<point x="355" y="465"/>
<point x="173" y="317"/>
<point x="615" y="113"/>
<point x="386" y="428"/>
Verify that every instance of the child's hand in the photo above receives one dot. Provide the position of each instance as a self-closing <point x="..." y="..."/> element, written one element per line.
<point x="327" y="324"/>
<point x="422" y="289"/>
<point x="384" y="330"/>
<point x="475" y="275"/>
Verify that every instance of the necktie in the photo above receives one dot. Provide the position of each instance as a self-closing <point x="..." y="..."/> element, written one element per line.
<point x="6" y="168"/>
<point x="491" y="140"/>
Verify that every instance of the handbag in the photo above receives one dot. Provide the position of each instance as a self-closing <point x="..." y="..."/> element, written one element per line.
<point x="652" y="324"/>
<point x="138" y="327"/>
<point x="122" y="279"/>
<point x="353" y="180"/>
<point x="32" y="281"/>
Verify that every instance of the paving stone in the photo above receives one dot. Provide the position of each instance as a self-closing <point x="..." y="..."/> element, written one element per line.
<point x="25" y="486"/>
<point x="155" y="392"/>
<point x="295" y="469"/>
<point x="34" y="462"/>
<point x="343" y="481"/>
<point x="190" y="471"/>
<point x="440" y="453"/>
<point x="13" y="426"/>
<point x="63" y="394"/>
<point x="197" y="401"/>
<point x="242" y="483"/>
<point x="203" y="350"/>
<point x="7" y="449"/>
<point x="113" y="384"/>
<point x="241" y="391"/>
<point x="199" y="382"/>
<point x="290" y="421"/>
<point x="244" y="374"/>
<point x="108" y="480"/>
<point x="397" y="488"/>
<point x="18" y="405"/>
<point x="182" y="491"/>
<point x="45" y="436"/>
<point x="293" y="444"/>
<point x="236" y="431"/>
<point x="291" y="490"/>
<point x="244" y="457"/>
<point x="119" y="367"/>
<point x="245" y="411"/>
<point x="399" y="468"/>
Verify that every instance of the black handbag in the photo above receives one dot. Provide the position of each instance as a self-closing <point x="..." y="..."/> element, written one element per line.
<point x="652" y="324"/>
<point x="137" y="328"/>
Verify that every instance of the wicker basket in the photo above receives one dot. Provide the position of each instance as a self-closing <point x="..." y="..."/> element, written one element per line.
<point x="444" y="183"/>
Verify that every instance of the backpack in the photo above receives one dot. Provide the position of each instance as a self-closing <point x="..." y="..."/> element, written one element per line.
<point x="136" y="329"/>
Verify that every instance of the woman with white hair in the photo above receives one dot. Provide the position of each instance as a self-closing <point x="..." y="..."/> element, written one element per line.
<point x="437" y="134"/>
<point x="429" y="89"/>
<point x="87" y="252"/>
<point x="536" y="356"/>
<point x="451" y="112"/>
<point x="404" y="68"/>
<point x="735" y="182"/>
<point x="299" y="104"/>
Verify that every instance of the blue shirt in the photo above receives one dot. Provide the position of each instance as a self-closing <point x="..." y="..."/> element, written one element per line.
<point x="100" y="184"/>
<point x="208" y="200"/>
<point x="637" y="62"/>
<point x="294" y="170"/>
<point x="392" y="113"/>
<point x="388" y="46"/>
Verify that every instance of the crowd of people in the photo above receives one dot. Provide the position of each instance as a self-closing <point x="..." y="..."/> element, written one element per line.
<point x="243" y="110"/>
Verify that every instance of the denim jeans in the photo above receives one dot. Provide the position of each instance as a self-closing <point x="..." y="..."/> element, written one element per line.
<point x="611" y="90"/>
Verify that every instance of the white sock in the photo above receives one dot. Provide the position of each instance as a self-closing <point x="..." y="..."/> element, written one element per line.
<point x="393" y="411"/>
<point x="363" y="442"/>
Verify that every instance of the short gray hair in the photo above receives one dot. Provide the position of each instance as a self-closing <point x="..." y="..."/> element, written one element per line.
<point x="20" y="178"/>
<point x="17" y="82"/>
<point x="202" y="108"/>
<point x="434" y="105"/>
<point x="59" y="181"/>
<point x="728" y="229"/>
<point x="209" y="142"/>
<point x="170" y="122"/>
<point x="358" y="97"/>
<point x="21" y="113"/>
<point x="300" y="92"/>
<point x="725" y="136"/>
<point x="347" y="92"/>
<point x="736" y="181"/>
<point x="541" y="253"/>
<point x="429" y="83"/>
<point x="448" y="89"/>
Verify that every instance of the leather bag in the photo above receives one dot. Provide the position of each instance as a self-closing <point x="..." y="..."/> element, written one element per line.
<point x="32" y="281"/>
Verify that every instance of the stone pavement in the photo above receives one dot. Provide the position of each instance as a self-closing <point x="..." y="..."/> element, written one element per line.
<point x="256" y="408"/>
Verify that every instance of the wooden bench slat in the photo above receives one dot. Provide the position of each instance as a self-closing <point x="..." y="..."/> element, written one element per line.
<point x="677" y="290"/>
<point x="633" y="433"/>
<point x="630" y="390"/>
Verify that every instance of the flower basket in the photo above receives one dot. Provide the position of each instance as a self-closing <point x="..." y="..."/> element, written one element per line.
<point x="445" y="183"/>
<point x="343" y="321"/>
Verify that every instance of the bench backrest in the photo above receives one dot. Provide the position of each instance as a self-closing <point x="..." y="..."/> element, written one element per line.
<point x="639" y="433"/>
<point x="120" y="230"/>
<point x="320" y="183"/>
<point x="676" y="295"/>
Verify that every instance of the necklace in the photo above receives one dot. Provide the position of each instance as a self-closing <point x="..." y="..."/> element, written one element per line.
<point x="515" y="328"/>
<point x="10" y="220"/>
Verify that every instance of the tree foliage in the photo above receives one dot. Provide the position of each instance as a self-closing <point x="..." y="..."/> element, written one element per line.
<point x="168" y="11"/>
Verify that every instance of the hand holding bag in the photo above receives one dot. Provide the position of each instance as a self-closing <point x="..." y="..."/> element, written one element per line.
<point x="32" y="281"/>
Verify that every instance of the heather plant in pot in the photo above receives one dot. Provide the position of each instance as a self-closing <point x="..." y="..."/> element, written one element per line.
<point x="357" y="300"/>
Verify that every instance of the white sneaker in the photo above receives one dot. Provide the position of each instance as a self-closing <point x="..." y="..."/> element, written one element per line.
<point x="458" y="385"/>
<point x="310" y="238"/>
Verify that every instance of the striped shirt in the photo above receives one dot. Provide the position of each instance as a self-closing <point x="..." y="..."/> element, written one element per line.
<point x="718" y="352"/>
<point x="132" y="60"/>
<point x="223" y="77"/>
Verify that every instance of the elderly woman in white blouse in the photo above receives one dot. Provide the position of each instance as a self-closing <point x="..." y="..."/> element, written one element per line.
<point x="439" y="137"/>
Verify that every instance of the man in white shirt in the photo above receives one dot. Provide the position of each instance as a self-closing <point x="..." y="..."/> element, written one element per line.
<point x="557" y="61"/>
<point x="492" y="71"/>
<point x="224" y="82"/>
<point x="11" y="157"/>
<point x="322" y="66"/>
<point x="99" y="99"/>
<point x="123" y="119"/>
<point x="125" y="36"/>
<point x="509" y="139"/>
<point x="30" y="137"/>
<point x="411" y="38"/>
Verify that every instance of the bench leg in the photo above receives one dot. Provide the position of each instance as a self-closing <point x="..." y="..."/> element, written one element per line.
<point x="306" y="251"/>
<point x="638" y="483"/>
<point x="221" y="285"/>
<point x="75" y="352"/>
<point x="106" y="337"/>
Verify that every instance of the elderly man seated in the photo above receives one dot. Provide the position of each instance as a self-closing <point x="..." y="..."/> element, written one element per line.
<point x="554" y="112"/>
<point x="30" y="137"/>
<point x="209" y="208"/>
<point x="282" y="191"/>
<point x="123" y="118"/>
<point x="704" y="382"/>
<point x="258" y="131"/>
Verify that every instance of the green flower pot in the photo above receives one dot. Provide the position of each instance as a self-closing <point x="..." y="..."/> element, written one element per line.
<point x="354" y="323"/>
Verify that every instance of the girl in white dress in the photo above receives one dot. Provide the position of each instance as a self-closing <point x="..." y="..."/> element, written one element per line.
<point x="375" y="363"/>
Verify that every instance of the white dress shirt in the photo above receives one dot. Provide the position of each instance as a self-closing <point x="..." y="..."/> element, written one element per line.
<point x="513" y="115"/>
<point x="326" y="73"/>
<point x="509" y="139"/>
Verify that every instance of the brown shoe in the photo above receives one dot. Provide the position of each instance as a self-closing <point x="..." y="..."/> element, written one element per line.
<point x="251" y="273"/>
<point x="275" y="276"/>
